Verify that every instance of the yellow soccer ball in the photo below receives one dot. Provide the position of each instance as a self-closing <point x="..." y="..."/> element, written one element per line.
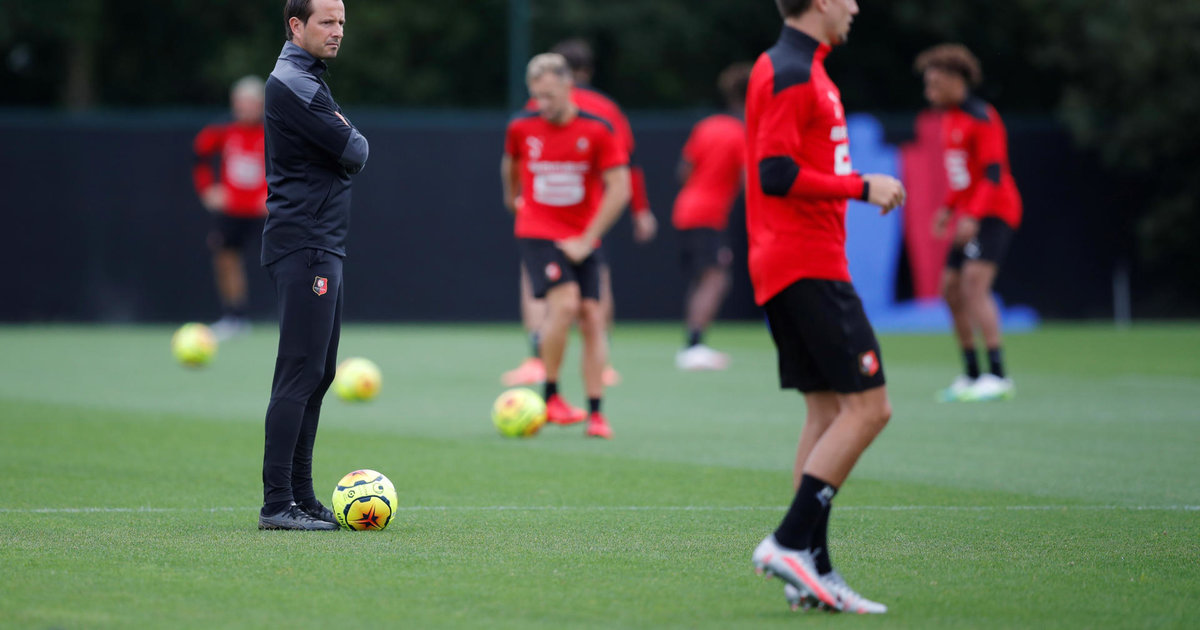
<point x="519" y="412"/>
<point x="357" y="380"/>
<point x="364" y="499"/>
<point x="194" y="345"/>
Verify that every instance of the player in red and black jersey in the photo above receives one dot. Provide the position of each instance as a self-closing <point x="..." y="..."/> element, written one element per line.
<point x="983" y="197"/>
<point x="237" y="197"/>
<point x="566" y="178"/>
<point x="799" y="178"/>
<point x="579" y="58"/>
<point x="711" y="172"/>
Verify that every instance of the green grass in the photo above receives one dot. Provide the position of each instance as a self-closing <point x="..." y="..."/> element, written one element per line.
<point x="1074" y="506"/>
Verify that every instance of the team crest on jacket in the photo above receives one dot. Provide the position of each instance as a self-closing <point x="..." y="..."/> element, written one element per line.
<point x="582" y="144"/>
<point x="868" y="363"/>
<point x="320" y="285"/>
<point x="553" y="272"/>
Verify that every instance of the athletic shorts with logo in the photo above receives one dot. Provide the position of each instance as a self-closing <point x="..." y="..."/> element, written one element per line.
<point x="549" y="267"/>
<point x="990" y="244"/>
<point x="823" y="338"/>
<point x="701" y="249"/>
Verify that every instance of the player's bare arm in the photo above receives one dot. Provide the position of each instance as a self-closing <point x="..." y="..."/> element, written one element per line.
<point x="645" y="226"/>
<point x="941" y="220"/>
<point x="617" y="191"/>
<point x="509" y="183"/>
<point x="967" y="228"/>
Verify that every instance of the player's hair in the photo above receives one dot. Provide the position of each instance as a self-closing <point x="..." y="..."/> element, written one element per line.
<point x="249" y="84"/>
<point x="792" y="8"/>
<point x="577" y="52"/>
<point x="547" y="62"/>
<point x="295" y="9"/>
<point x="951" y="58"/>
<point x="733" y="81"/>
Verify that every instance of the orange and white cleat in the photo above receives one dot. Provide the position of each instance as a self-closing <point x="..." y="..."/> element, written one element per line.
<point x="598" y="427"/>
<point x="559" y="412"/>
<point x="530" y="372"/>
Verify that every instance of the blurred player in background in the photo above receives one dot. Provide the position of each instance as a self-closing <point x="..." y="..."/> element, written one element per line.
<point x="572" y="173"/>
<point x="237" y="197"/>
<point x="799" y="178"/>
<point x="579" y="57"/>
<point x="983" y="197"/>
<point x="711" y="172"/>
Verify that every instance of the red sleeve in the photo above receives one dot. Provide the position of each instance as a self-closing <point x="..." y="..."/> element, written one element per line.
<point x="780" y="138"/>
<point x="640" y="200"/>
<point x="512" y="141"/>
<point x="610" y="152"/>
<point x="989" y="157"/>
<point x="207" y="144"/>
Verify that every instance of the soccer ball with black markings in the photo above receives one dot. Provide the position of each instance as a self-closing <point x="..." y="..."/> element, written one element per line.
<point x="364" y="500"/>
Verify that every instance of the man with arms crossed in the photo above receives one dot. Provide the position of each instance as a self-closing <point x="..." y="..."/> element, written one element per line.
<point x="799" y="178"/>
<point x="572" y="175"/>
<point x="312" y="150"/>
<point x="983" y="193"/>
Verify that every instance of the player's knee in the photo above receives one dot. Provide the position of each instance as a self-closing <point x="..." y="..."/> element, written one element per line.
<point x="591" y="317"/>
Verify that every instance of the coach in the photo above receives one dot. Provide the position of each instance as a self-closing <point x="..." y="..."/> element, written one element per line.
<point x="311" y="151"/>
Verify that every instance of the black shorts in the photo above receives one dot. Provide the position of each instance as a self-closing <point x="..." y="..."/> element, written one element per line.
<point x="702" y="249"/>
<point x="824" y="340"/>
<point x="549" y="267"/>
<point x="234" y="232"/>
<point x="990" y="244"/>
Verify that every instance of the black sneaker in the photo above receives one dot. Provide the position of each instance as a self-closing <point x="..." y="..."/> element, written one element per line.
<point x="318" y="511"/>
<point x="294" y="518"/>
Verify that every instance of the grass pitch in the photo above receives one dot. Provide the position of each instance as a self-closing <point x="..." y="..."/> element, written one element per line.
<point x="129" y="488"/>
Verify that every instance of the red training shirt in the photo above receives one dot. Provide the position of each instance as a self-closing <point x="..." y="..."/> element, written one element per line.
<point x="243" y="171"/>
<point x="596" y="103"/>
<point x="980" y="181"/>
<point x="562" y="172"/>
<point x="716" y="151"/>
<point x="799" y="175"/>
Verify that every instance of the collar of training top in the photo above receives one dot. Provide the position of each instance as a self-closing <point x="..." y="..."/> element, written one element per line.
<point x="802" y="41"/>
<point x="297" y="55"/>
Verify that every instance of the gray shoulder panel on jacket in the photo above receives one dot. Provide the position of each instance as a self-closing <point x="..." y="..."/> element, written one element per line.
<point x="303" y="84"/>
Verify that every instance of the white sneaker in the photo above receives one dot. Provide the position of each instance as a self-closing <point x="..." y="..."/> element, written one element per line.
<point x="228" y="327"/>
<point x="849" y="600"/>
<point x="991" y="387"/>
<point x="957" y="391"/>
<point x="701" y="357"/>
<point x="793" y="566"/>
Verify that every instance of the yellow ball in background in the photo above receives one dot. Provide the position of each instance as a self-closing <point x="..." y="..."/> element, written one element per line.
<point x="364" y="499"/>
<point x="194" y="345"/>
<point x="519" y="412"/>
<point x="357" y="380"/>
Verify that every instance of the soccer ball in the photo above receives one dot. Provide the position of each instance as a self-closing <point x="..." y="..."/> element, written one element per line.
<point x="364" y="499"/>
<point x="194" y="345"/>
<point x="357" y="380"/>
<point x="519" y="412"/>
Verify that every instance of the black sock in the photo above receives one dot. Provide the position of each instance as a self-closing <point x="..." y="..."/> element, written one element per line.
<point x="996" y="361"/>
<point x="593" y="405"/>
<point x="275" y="508"/>
<point x="811" y="500"/>
<point x="551" y="389"/>
<point x="535" y="344"/>
<point x="237" y="311"/>
<point x="695" y="337"/>
<point x="820" y="543"/>
<point x="971" y="361"/>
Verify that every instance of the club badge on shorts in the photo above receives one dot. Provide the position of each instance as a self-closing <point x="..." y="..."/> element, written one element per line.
<point x="868" y="363"/>
<point x="553" y="272"/>
<point x="320" y="285"/>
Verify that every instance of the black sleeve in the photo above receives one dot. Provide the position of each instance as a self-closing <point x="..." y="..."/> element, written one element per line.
<point x="320" y="124"/>
<point x="776" y="175"/>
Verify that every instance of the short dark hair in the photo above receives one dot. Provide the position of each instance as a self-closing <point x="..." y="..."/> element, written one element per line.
<point x="792" y="8"/>
<point x="733" y="81"/>
<point x="295" y="9"/>
<point x="954" y="58"/>
<point x="577" y="52"/>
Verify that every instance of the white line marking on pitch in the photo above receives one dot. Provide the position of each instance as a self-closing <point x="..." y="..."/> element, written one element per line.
<point x="635" y="508"/>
